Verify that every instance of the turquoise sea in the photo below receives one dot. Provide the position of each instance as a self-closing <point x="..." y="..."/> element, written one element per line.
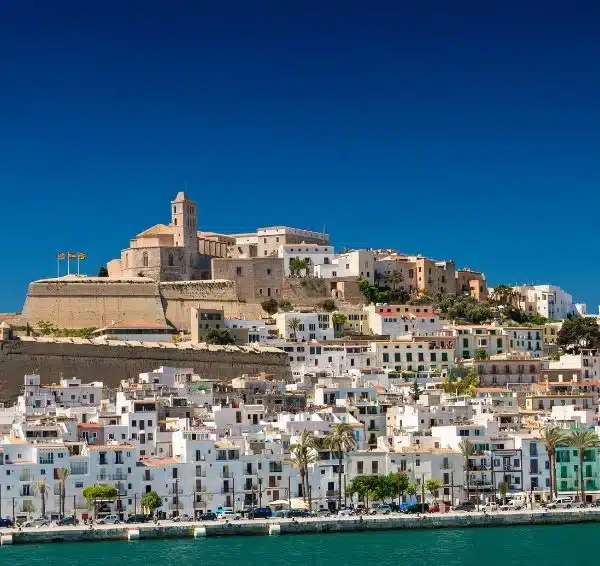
<point x="534" y="546"/>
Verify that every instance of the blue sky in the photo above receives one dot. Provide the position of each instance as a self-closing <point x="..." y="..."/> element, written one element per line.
<point x="456" y="130"/>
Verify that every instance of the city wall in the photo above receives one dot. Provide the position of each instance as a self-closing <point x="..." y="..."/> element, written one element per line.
<point x="54" y="358"/>
<point x="92" y="302"/>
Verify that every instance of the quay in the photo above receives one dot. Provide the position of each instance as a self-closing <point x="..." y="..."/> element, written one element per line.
<point x="169" y="529"/>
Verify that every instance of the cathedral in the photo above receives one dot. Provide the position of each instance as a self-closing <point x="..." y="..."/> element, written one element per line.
<point x="172" y="252"/>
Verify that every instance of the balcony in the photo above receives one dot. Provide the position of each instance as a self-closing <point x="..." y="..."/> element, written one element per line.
<point x="25" y="476"/>
<point x="200" y="473"/>
<point x="332" y="493"/>
<point x="226" y="475"/>
<point x="175" y="491"/>
<point x="226" y="490"/>
<point x="252" y="487"/>
<point x="111" y="477"/>
<point x="148" y="477"/>
<point x="176" y="506"/>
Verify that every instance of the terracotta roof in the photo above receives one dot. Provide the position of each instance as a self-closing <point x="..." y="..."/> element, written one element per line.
<point x="156" y="462"/>
<point x="109" y="446"/>
<point x="157" y="230"/>
<point x="90" y="425"/>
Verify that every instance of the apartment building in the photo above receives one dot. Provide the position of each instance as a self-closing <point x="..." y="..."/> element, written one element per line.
<point x="304" y="327"/>
<point x="549" y="301"/>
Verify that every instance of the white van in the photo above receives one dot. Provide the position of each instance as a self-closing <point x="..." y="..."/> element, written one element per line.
<point x="561" y="503"/>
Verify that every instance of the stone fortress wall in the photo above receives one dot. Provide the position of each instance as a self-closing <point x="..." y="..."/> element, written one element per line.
<point x="86" y="302"/>
<point x="112" y="361"/>
<point x="94" y="302"/>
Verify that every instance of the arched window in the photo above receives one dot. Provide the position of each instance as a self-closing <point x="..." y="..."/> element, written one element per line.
<point x="171" y="263"/>
<point x="145" y="259"/>
<point x="126" y="261"/>
<point x="175" y="221"/>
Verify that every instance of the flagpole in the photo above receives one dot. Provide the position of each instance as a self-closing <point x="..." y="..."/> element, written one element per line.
<point x="77" y="263"/>
<point x="68" y="263"/>
<point x="57" y="267"/>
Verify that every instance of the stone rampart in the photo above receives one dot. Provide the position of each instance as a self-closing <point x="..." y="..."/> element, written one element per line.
<point x="112" y="361"/>
<point x="179" y="296"/>
<point x="92" y="302"/>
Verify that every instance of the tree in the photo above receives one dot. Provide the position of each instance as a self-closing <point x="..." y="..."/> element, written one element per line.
<point x="578" y="333"/>
<point x="298" y="266"/>
<point x="467" y="449"/>
<point x="552" y="437"/>
<point x="464" y="386"/>
<point x="63" y="474"/>
<point x="582" y="440"/>
<point x="433" y="486"/>
<point x="384" y="487"/>
<point x="402" y="483"/>
<point x="94" y="493"/>
<point x="328" y="305"/>
<point x="303" y="454"/>
<point x="480" y="354"/>
<point x="503" y="490"/>
<point x="338" y="319"/>
<point x="270" y="306"/>
<point x="151" y="501"/>
<point x="393" y="278"/>
<point x="412" y="488"/>
<point x="415" y="392"/>
<point x="424" y="300"/>
<point x="42" y="488"/>
<point x="285" y="305"/>
<point x="103" y="272"/>
<point x="505" y="296"/>
<point x="219" y="336"/>
<point x="45" y="327"/>
<point x="339" y="441"/>
<point x="293" y="325"/>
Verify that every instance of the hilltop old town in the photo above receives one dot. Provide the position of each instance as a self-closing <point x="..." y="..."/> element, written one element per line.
<point x="201" y="372"/>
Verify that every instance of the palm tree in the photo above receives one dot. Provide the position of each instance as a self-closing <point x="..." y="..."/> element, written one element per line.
<point x="303" y="454"/>
<point x="393" y="278"/>
<point x="341" y="440"/>
<point x="467" y="449"/>
<point x="582" y="440"/>
<point x="63" y="474"/>
<point x="293" y="325"/>
<point x="42" y="488"/>
<point x="552" y="437"/>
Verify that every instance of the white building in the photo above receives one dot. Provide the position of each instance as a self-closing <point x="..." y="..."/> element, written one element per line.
<point x="257" y="330"/>
<point x="546" y="300"/>
<point x="311" y="326"/>
<point x="395" y="325"/>
<point x="314" y="255"/>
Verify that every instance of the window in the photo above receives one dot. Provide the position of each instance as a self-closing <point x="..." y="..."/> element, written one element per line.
<point x="145" y="259"/>
<point x="171" y="262"/>
<point x="238" y="270"/>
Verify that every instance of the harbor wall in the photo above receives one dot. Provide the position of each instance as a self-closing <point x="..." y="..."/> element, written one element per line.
<point x="304" y="526"/>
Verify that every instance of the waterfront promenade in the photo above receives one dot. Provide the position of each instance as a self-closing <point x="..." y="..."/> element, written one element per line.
<point x="168" y="529"/>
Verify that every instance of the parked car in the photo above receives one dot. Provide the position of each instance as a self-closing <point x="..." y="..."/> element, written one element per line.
<point x="67" y="522"/>
<point x="513" y="505"/>
<point x="5" y="523"/>
<point x="183" y="518"/>
<point x="491" y="506"/>
<point x="230" y="516"/>
<point x="39" y="522"/>
<point x="417" y="508"/>
<point x="345" y="512"/>
<point x="260" y="513"/>
<point x="465" y="506"/>
<point x="596" y="503"/>
<point x="137" y="519"/>
<point x="208" y="516"/>
<point x="561" y="503"/>
<point x="435" y="508"/>
<point x="382" y="510"/>
<point x="322" y="513"/>
<point x="109" y="520"/>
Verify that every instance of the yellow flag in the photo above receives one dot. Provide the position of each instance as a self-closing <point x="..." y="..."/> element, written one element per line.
<point x="61" y="255"/>
<point x="81" y="255"/>
<point x="72" y="255"/>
